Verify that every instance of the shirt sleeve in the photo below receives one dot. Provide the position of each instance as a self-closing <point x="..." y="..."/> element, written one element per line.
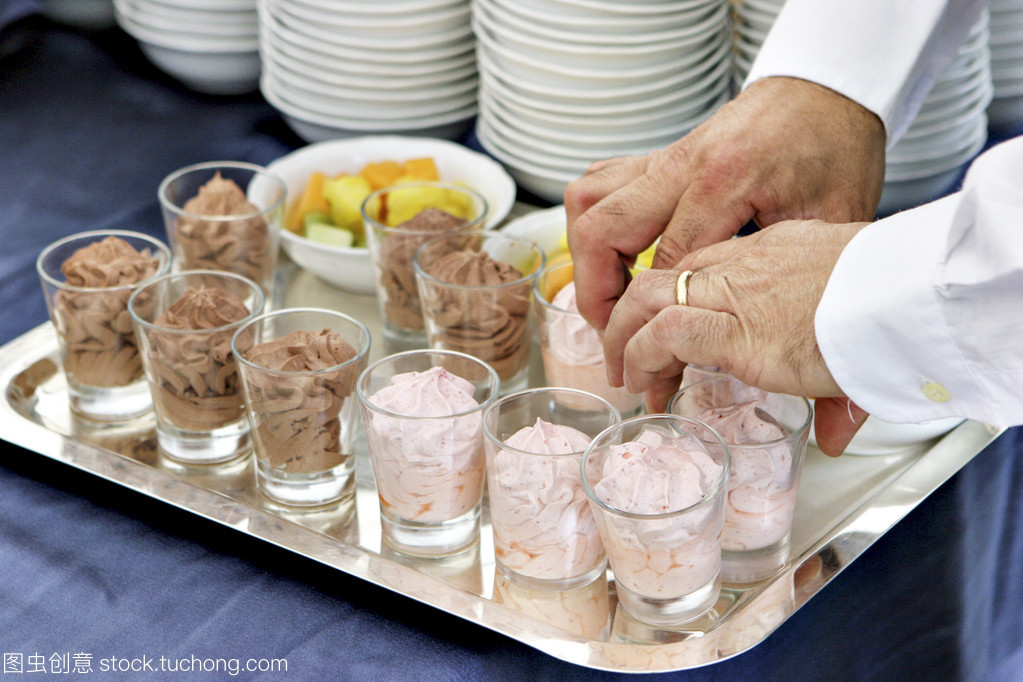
<point x="922" y="317"/>
<point x="882" y="54"/>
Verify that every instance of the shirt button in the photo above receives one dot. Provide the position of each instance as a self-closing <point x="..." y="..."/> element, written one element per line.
<point x="936" y="392"/>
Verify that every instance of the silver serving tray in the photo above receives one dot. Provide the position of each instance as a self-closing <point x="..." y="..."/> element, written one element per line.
<point x="844" y="505"/>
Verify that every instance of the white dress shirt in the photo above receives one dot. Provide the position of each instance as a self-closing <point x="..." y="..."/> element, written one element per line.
<point x="923" y="314"/>
<point x="883" y="54"/>
<point x="922" y="317"/>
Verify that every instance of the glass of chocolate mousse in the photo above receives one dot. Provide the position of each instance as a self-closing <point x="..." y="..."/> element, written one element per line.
<point x="298" y="368"/>
<point x="398" y="220"/>
<point x="476" y="293"/>
<point x="767" y="435"/>
<point x="87" y="279"/>
<point x="224" y="215"/>
<point x="185" y="322"/>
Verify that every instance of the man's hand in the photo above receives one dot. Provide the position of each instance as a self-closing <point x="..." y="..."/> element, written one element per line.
<point x="783" y="149"/>
<point x="750" y="311"/>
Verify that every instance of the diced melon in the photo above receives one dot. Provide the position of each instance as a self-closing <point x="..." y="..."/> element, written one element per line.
<point x="420" y="169"/>
<point x="328" y="234"/>
<point x="381" y="174"/>
<point x="311" y="199"/>
<point x="556" y="281"/>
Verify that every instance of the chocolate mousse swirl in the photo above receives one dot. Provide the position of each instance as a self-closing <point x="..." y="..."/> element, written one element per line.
<point x="296" y="417"/>
<point x="100" y="345"/>
<point x="486" y="317"/>
<point x="397" y="276"/>
<point x="241" y="245"/>
<point x="196" y="378"/>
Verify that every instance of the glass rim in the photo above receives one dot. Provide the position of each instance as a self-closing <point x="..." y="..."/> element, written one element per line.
<point x="257" y="170"/>
<point x="261" y="298"/>
<point x="795" y="433"/>
<point x="58" y="284"/>
<point x="492" y="437"/>
<point x="368" y="404"/>
<point x="711" y="496"/>
<point x="397" y="229"/>
<point x="361" y="353"/>
<point x="527" y="279"/>
<point x="539" y="296"/>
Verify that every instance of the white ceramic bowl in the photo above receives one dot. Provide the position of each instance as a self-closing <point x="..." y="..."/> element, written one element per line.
<point x="385" y="27"/>
<point x="877" y="437"/>
<point x="314" y="127"/>
<point x="378" y="105"/>
<point x="324" y="80"/>
<point x="539" y="27"/>
<point x="603" y="24"/>
<point x="317" y="32"/>
<point x="187" y="18"/>
<point x="542" y="178"/>
<point x="642" y="121"/>
<point x="612" y="8"/>
<point x="544" y="227"/>
<point x="549" y="73"/>
<point x="383" y="53"/>
<point x="599" y="57"/>
<point x="674" y="86"/>
<point x="350" y="268"/>
<point x="392" y="7"/>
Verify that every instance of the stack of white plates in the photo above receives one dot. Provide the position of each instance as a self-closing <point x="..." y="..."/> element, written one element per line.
<point x="209" y="45"/>
<point x="753" y="19"/>
<point x="341" y="68"/>
<point x="564" y="83"/>
<point x="948" y="131"/>
<point x="1005" y="113"/>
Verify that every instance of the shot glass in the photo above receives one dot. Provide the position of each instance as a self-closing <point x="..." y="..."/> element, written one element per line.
<point x="398" y="220"/>
<point x="423" y="414"/>
<point x="476" y="291"/>
<point x="88" y="305"/>
<point x="657" y="492"/>
<point x="298" y="370"/>
<point x="184" y="323"/>
<point x="572" y="350"/>
<point x="766" y="435"/>
<point x="545" y="535"/>
<point x="226" y="216"/>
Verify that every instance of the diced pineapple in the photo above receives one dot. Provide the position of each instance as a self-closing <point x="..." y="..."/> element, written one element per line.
<point x="345" y="195"/>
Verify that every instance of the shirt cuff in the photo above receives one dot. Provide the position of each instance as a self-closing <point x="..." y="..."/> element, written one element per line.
<point x="880" y="325"/>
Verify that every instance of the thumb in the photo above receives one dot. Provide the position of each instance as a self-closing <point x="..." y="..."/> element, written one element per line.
<point x="836" y="421"/>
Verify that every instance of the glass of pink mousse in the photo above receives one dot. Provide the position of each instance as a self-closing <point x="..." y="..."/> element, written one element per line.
<point x="656" y="486"/>
<point x="423" y="415"/>
<point x="766" y="434"/>
<point x="544" y="532"/>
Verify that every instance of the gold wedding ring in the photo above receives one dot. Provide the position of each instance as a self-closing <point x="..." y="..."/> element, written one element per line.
<point x="682" y="287"/>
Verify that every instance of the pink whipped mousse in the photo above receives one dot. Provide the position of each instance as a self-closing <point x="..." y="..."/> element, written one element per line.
<point x="662" y="556"/>
<point x="429" y="466"/>
<point x="761" y="488"/>
<point x="573" y="353"/>
<point x="543" y="526"/>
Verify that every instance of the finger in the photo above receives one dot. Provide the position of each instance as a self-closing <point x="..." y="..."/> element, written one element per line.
<point x="678" y="334"/>
<point x="700" y="219"/>
<point x="600" y="179"/>
<point x="649" y="293"/>
<point x="664" y="387"/>
<point x="836" y="421"/>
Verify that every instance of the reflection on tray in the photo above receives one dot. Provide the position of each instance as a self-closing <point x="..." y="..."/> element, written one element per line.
<point x="584" y="625"/>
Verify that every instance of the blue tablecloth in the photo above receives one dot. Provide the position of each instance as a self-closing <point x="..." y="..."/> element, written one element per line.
<point x="87" y="131"/>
